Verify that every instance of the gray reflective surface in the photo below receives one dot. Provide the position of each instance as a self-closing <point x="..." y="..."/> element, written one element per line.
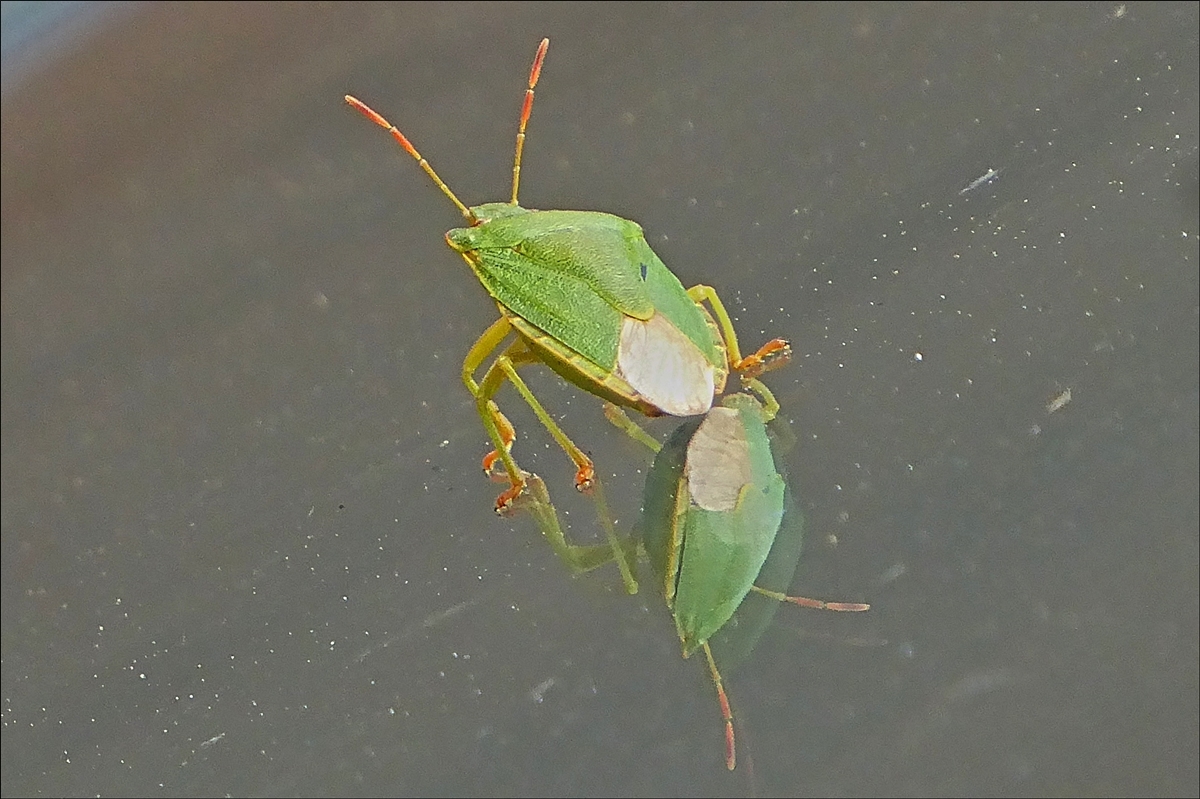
<point x="247" y="548"/>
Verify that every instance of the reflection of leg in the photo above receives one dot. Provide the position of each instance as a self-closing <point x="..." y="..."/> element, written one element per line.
<point x="519" y="354"/>
<point x="579" y="558"/>
<point x="621" y="421"/>
<point x="772" y="355"/>
<point x="770" y="406"/>
<point x="624" y="552"/>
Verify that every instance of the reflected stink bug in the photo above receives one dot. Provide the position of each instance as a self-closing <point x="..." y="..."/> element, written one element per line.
<point x="712" y="511"/>
<point x="583" y="293"/>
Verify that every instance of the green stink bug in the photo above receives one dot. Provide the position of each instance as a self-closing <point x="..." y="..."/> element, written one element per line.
<point x="712" y="510"/>
<point x="584" y="294"/>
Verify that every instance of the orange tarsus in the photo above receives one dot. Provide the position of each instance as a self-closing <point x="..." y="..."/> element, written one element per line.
<point x="508" y="435"/>
<point x="585" y="477"/>
<point x="772" y="355"/>
<point x="504" y="502"/>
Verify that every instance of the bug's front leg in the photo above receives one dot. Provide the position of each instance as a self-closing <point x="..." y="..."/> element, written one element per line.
<point x="494" y="422"/>
<point x="503" y="368"/>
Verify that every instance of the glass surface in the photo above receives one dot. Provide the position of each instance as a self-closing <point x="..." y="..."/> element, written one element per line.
<point x="247" y="546"/>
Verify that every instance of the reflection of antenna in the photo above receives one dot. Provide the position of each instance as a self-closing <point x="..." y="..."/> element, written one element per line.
<point x="819" y="604"/>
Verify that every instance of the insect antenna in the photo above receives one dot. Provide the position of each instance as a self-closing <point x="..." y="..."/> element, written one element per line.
<point x="534" y="73"/>
<point x="378" y="119"/>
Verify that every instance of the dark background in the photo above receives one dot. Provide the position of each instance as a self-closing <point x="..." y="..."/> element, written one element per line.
<point x="247" y="548"/>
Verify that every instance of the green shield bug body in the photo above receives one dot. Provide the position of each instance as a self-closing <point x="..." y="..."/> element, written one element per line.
<point x="584" y="294"/>
<point x="712" y="511"/>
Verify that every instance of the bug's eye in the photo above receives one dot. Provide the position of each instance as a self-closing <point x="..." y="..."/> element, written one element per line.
<point x="645" y="269"/>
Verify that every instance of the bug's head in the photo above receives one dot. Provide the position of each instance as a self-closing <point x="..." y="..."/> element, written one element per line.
<point x="482" y="234"/>
<point x="491" y="211"/>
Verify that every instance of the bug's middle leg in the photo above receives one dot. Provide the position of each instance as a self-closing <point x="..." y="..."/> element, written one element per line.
<point x="505" y="368"/>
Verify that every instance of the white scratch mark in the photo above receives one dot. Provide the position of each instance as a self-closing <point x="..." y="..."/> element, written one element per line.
<point x="986" y="177"/>
<point x="1058" y="402"/>
<point x="212" y="740"/>
<point x="538" y="692"/>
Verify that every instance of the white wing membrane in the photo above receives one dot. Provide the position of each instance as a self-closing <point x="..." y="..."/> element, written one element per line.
<point x="664" y="366"/>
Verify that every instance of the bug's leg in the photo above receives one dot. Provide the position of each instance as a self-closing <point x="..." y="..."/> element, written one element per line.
<point x="726" y="713"/>
<point x="505" y="368"/>
<point x="772" y="355"/>
<point x="819" y="604"/>
<point x="619" y="419"/>
<point x="494" y="422"/>
<point x="518" y="354"/>
<point x="508" y="435"/>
